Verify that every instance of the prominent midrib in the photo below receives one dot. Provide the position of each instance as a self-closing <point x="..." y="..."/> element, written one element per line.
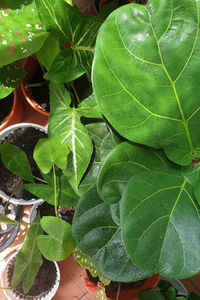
<point x="184" y="121"/>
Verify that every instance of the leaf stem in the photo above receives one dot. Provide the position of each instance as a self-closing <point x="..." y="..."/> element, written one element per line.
<point x="76" y="94"/>
<point x="55" y="196"/>
<point x="8" y="202"/>
<point x="35" y="84"/>
<point x="118" y="291"/>
<point x="39" y="179"/>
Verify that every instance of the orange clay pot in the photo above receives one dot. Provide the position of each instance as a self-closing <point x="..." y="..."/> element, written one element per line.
<point x="101" y="3"/>
<point x="29" y="65"/>
<point x="129" y="294"/>
<point x="17" y="112"/>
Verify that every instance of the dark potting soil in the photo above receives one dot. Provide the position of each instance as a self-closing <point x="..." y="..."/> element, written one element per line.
<point x="25" y="139"/>
<point x="66" y="212"/>
<point x="40" y="93"/>
<point x="43" y="283"/>
<point x="5" y="107"/>
<point x="113" y="286"/>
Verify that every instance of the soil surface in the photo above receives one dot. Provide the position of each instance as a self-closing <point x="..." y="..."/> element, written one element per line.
<point x="43" y="283"/>
<point x="5" y="107"/>
<point x="25" y="139"/>
<point x="40" y="93"/>
<point x="66" y="212"/>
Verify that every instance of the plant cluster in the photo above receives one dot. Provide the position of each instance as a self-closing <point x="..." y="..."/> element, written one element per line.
<point x="126" y="154"/>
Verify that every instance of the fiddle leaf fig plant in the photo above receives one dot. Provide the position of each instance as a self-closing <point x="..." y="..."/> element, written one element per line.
<point x="151" y="91"/>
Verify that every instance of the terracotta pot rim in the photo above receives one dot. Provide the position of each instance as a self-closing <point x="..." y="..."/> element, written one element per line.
<point x="12" y="112"/>
<point x="27" y="94"/>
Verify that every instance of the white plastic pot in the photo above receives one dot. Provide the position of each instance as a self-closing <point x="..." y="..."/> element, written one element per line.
<point x="9" y="292"/>
<point x="3" y="134"/>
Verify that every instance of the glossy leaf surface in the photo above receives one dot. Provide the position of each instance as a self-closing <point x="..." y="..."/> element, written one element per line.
<point x="99" y="237"/>
<point x="49" y="152"/>
<point x="16" y="161"/>
<point x="66" y="127"/>
<point x="160" y="223"/>
<point x="77" y="32"/>
<point x="28" y="259"/>
<point x="147" y="80"/>
<point x="121" y="164"/>
<point x="20" y="34"/>
<point x="58" y="244"/>
<point x="89" y="108"/>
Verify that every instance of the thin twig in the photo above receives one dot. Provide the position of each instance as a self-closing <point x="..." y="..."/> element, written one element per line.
<point x="118" y="291"/>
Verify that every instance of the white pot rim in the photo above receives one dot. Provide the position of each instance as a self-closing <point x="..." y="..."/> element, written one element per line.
<point x="8" y="292"/>
<point x="5" y="133"/>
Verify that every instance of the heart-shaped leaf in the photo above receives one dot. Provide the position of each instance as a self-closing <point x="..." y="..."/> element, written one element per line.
<point x="28" y="259"/>
<point x="77" y="32"/>
<point x="21" y="33"/>
<point x="160" y="223"/>
<point x="59" y="243"/>
<point x="99" y="237"/>
<point x="66" y="127"/>
<point x="16" y="161"/>
<point x="146" y="80"/>
<point x="49" y="152"/>
<point x="122" y="163"/>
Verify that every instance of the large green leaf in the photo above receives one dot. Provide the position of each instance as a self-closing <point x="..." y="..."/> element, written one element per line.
<point x="160" y="223"/>
<point x="146" y="75"/>
<point x="65" y="194"/>
<point x="99" y="237"/>
<point x="28" y="259"/>
<point x="16" y="161"/>
<point x="121" y="164"/>
<point x="66" y="127"/>
<point x="21" y="33"/>
<point x="49" y="152"/>
<point x="75" y="29"/>
<point x="59" y="243"/>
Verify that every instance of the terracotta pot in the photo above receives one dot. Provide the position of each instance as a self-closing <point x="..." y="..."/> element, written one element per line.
<point x="17" y="112"/>
<point x="129" y="294"/>
<point x="29" y="65"/>
<point x="102" y="2"/>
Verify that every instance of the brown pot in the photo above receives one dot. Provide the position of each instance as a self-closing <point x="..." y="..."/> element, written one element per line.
<point x="17" y="112"/>
<point x="29" y="65"/>
<point x="129" y="294"/>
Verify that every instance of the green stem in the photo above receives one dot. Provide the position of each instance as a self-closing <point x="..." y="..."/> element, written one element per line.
<point x="76" y="94"/>
<point x="35" y="84"/>
<point x="8" y="202"/>
<point x="19" y="223"/>
<point x="39" y="179"/>
<point x="55" y="196"/>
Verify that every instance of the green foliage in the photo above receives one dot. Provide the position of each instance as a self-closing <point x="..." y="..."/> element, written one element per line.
<point x="59" y="243"/>
<point x="16" y="161"/>
<point x="98" y="237"/>
<point x="10" y="77"/>
<point x="77" y="33"/>
<point x="49" y="152"/>
<point x="146" y="80"/>
<point x="28" y="259"/>
<point x="65" y="125"/>
<point x="21" y="31"/>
